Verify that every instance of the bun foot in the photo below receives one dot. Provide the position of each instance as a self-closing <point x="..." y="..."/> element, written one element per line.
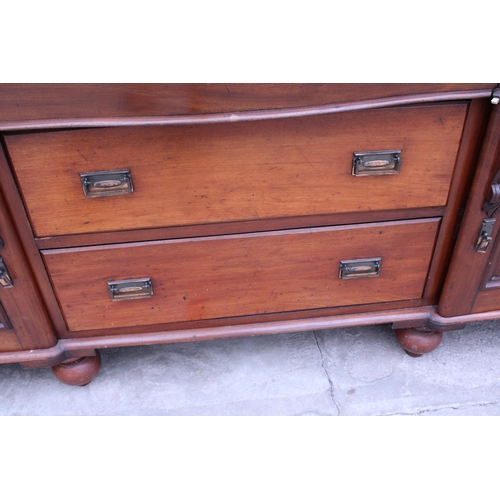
<point x="418" y="341"/>
<point x="78" y="371"/>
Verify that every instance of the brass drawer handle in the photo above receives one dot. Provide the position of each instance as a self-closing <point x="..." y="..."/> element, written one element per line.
<point x="5" y="279"/>
<point x="106" y="183"/>
<point x="376" y="163"/>
<point x="360" y="268"/>
<point x="130" y="289"/>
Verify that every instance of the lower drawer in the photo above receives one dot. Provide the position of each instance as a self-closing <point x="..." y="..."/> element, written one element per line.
<point x="239" y="275"/>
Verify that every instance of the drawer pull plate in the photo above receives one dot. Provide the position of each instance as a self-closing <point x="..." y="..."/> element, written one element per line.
<point x="376" y="163"/>
<point x="130" y="289"/>
<point x="106" y="183"/>
<point x="5" y="279"/>
<point x="360" y="268"/>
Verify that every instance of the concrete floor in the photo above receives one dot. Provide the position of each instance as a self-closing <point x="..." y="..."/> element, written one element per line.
<point x="346" y="371"/>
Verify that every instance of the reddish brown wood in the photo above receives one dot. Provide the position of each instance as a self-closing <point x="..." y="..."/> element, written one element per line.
<point x="78" y="347"/>
<point x="8" y="338"/>
<point x="60" y="104"/>
<point x="491" y="276"/>
<point x="78" y="371"/>
<point x="487" y="296"/>
<point x="488" y="291"/>
<point x="25" y="235"/>
<point x="66" y="347"/>
<point x="468" y="266"/>
<point x="164" y="233"/>
<point x="62" y="356"/>
<point x="235" y="172"/>
<point x="475" y="127"/>
<point x="5" y="323"/>
<point x="252" y="319"/>
<point x="245" y="330"/>
<point x="9" y="341"/>
<point x="258" y="273"/>
<point x="433" y="322"/>
<point x="486" y="300"/>
<point x="418" y="341"/>
<point x="233" y="298"/>
<point x="244" y="116"/>
<point x="22" y="302"/>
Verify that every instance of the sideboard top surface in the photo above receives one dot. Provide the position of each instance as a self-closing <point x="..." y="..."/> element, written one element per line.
<point x="31" y="102"/>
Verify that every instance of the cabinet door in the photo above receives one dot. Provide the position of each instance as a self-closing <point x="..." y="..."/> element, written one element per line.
<point x="473" y="281"/>
<point x="488" y="295"/>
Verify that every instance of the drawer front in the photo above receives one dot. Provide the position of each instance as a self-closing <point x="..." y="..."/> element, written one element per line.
<point x="217" y="277"/>
<point x="183" y="175"/>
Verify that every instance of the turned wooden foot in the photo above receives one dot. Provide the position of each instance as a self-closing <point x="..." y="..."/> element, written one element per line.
<point x="78" y="371"/>
<point x="418" y="341"/>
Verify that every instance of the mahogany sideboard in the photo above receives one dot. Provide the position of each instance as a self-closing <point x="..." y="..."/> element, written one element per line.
<point x="134" y="214"/>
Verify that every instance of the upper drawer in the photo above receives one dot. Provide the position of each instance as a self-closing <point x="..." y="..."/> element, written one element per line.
<point x="210" y="173"/>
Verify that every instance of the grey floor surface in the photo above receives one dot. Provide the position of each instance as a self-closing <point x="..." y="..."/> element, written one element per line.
<point x="346" y="371"/>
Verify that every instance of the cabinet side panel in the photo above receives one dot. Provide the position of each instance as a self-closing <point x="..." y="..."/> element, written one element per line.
<point x="467" y="268"/>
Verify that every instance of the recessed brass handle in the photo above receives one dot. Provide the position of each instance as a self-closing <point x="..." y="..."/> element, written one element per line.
<point x="5" y="279"/>
<point x="130" y="289"/>
<point x="106" y="183"/>
<point x="360" y="268"/>
<point x="376" y="163"/>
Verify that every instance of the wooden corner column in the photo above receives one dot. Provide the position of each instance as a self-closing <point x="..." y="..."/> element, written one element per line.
<point x="26" y="324"/>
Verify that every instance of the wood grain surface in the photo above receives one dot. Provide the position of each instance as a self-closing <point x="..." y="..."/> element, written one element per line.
<point x="8" y="338"/>
<point x="22" y="302"/>
<point x="9" y="341"/>
<point x="31" y="102"/>
<point x="470" y="149"/>
<point x="487" y="296"/>
<point x="237" y="172"/>
<point x="24" y="233"/>
<point x="227" y="276"/>
<point x="468" y="268"/>
<point x="167" y="233"/>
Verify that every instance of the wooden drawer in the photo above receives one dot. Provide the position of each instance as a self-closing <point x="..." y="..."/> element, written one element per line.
<point x="208" y="173"/>
<point x="226" y="276"/>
